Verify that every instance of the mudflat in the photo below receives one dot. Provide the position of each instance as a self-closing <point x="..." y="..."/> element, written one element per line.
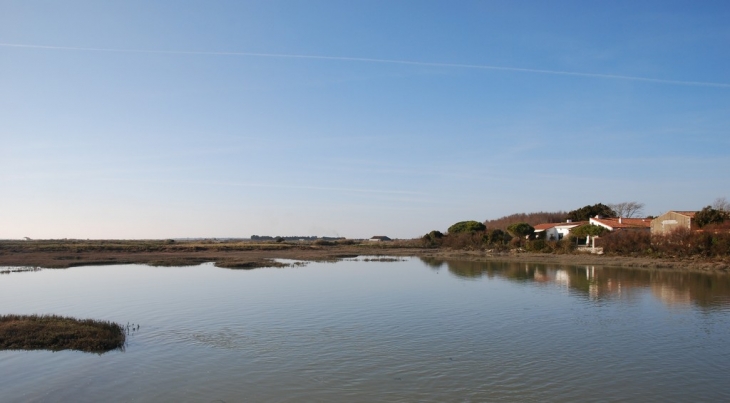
<point x="247" y="254"/>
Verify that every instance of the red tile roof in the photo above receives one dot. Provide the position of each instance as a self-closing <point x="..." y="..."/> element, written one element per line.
<point x="625" y="223"/>
<point x="542" y="227"/>
<point x="546" y="226"/>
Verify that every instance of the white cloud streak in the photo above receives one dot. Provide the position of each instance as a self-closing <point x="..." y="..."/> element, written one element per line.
<point x="375" y="60"/>
<point x="278" y="186"/>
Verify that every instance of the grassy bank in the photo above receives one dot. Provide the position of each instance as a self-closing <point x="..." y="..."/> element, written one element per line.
<point x="51" y="332"/>
<point x="27" y="255"/>
<point x="231" y="254"/>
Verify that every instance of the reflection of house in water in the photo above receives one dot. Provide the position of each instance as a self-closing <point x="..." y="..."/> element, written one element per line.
<point x="599" y="283"/>
<point x="562" y="277"/>
<point x="548" y="275"/>
<point x="671" y="295"/>
<point x="541" y="276"/>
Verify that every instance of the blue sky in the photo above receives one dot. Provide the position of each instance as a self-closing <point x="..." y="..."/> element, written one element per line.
<point x="157" y="119"/>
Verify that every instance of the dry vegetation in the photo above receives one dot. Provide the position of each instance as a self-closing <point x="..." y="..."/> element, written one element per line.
<point x="33" y="332"/>
<point x="713" y="242"/>
<point x="230" y="254"/>
<point x="694" y="252"/>
<point x="533" y="219"/>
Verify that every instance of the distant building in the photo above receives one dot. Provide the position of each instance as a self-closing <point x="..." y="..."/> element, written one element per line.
<point x="613" y="224"/>
<point x="673" y="220"/>
<point x="379" y="238"/>
<point x="556" y="231"/>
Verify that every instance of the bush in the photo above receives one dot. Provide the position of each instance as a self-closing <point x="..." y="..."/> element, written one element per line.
<point x="516" y="243"/>
<point x="625" y="242"/>
<point x="680" y="243"/>
<point x="496" y="237"/>
<point x="585" y="230"/>
<point x="586" y="212"/>
<point x="432" y="239"/>
<point x="684" y="243"/>
<point x="521" y="229"/>
<point x="709" y="215"/>
<point x="466" y="226"/>
<point x="563" y="246"/>
<point x="536" y="245"/>
<point x="464" y="240"/>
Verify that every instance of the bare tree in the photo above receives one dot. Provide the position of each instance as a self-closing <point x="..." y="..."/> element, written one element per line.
<point x="628" y="209"/>
<point x="721" y="204"/>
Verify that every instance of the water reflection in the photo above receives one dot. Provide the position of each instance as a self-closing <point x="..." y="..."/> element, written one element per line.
<point x="596" y="282"/>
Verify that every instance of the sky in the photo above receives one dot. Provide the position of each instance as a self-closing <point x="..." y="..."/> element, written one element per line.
<point x="171" y="119"/>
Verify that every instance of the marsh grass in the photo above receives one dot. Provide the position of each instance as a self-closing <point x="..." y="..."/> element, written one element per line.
<point x="132" y="246"/>
<point x="70" y="250"/>
<point x="8" y="270"/>
<point x="55" y="333"/>
<point x="238" y="264"/>
<point x="385" y="259"/>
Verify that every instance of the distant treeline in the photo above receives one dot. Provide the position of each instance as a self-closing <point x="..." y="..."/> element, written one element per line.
<point x="533" y="219"/>
<point x="293" y="238"/>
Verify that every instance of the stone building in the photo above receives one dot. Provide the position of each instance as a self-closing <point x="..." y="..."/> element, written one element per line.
<point x="673" y="220"/>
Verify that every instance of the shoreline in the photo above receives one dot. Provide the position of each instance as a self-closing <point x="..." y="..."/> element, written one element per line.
<point x="249" y="255"/>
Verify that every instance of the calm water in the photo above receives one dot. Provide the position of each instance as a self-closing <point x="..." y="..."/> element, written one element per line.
<point x="379" y="331"/>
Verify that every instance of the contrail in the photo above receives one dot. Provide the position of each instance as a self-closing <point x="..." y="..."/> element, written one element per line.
<point x="375" y="60"/>
<point x="281" y="186"/>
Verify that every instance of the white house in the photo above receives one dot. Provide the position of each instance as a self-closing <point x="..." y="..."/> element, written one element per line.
<point x="556" y="231"/>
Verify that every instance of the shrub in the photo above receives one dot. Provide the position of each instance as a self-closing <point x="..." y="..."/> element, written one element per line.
<point x="536" y="245"/>
<point x="563" y="246"/>
<point x="625" y="242"/>
<point x="530" y="218"/>
<point x="466" y="226"/>
<point x="709" y="215"/>
<point x="464" y="240"/>
<point x="585" y="230"/>
<point x="496" y="237"/>
<point x="586" y="212"/>
<point x="433" y="238"/>
<point x="680" y="243"/>
<point x="516" y="243"/>
<point x="684" y="243"/>
<point x="521" y="229"/>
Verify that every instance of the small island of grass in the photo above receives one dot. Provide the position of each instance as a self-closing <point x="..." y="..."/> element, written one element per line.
<point x="55" y="333"/>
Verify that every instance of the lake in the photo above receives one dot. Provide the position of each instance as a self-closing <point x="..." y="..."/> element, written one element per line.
<point x="357" y="330"/>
